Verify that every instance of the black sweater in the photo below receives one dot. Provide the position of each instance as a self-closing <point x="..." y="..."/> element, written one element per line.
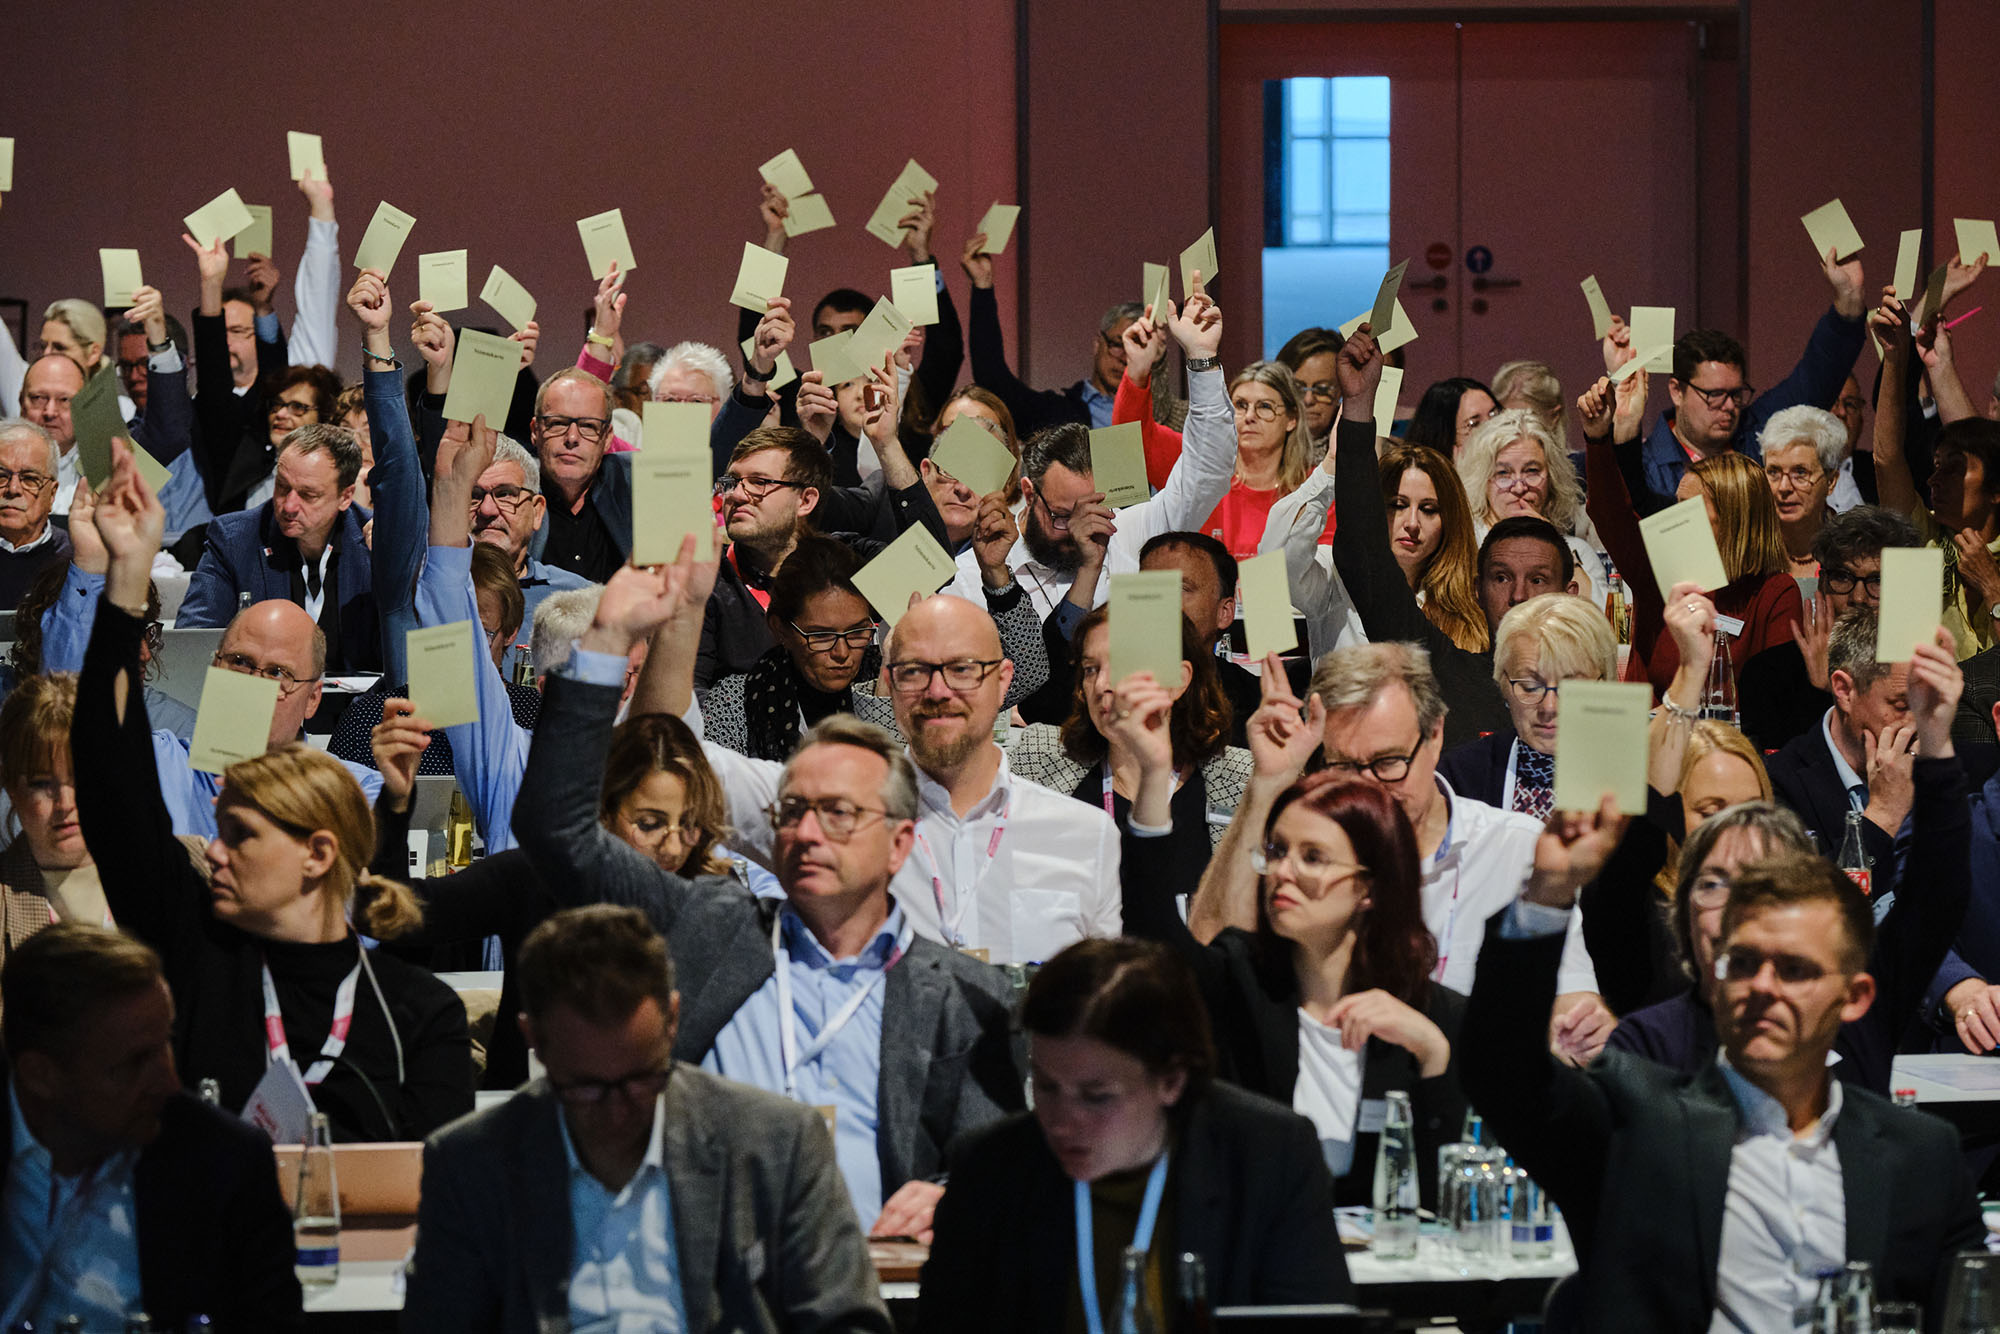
<point x="158" y="895"/>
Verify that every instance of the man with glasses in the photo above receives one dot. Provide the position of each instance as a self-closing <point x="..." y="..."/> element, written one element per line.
<point x="1852" y="487"/>
<point x="1714" y="407"/>
<point x="508" y="509"/>
<point x="625" y="1189"/>
<point x="29" y="541"/>
<point x="51" y="385"/>
<point x="589" y="515"/>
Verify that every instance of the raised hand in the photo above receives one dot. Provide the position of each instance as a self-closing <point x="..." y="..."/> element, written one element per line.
<point x="1281" y="741"/>
<point x="465" y="451"/>
<point x="1141" y="720"/>
<point x="1092" y="525"/>
<point x="431" y="332"/>
<point x="775" y="332"/>
<point x="1145" y="342"/>
<point x="1571" y="850"/>
<point x="1811" y="634"/>
<point x="149" y="311"/>
<point x="1197" y="327"/>
<point x="978" y="265"/>
<point x="1849" y="297"/>
<point x="882" y="405"/>
<point x="263" y="279"/>
<point x="994" y="533"/>
<point x="1594" y="406"/>
<point x="1959" y="275"/>
<point x="398" y="742"/>
<point x="89" y="553"/>
<point x="637" y="601"/>
<point x="608" y="307"/>
<point x="1690" y="618"/>
<point x="369" y="300"/>
<point x="1617" y="345"/>
<point x="1630" y="413"/>
<point x="1376" y="1014"/>
<point x="319" y="195"/>
<point x="774" y="208"/>
<point x="916" y="225"/>
<point x="212" y="266"/>
<point x="1358" y="369"/>
<point x="1936" y="683"/>
<point x="529" y="336"/>
<point x="817" y="405"/>
<point x="129" y="520"/>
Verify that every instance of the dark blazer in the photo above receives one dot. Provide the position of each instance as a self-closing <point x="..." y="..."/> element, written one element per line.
<point x="611" y="494"/>
<point x="1638" y="1157"/>
<point x="763" y="1228"/>
<point x="1778" y="700"/>
<point x="232" y="440"/>
<point x="1478" y="768"/>
<point x="1803" y="777"/>
<point x="215" y="1237"/>
<point x="1251" y="1196"/>
<point x="245" y="552"/>
<point x="948" y="1060"/>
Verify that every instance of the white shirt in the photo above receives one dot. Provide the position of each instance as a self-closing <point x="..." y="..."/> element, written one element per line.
<point x="1784" y="1218"/>
<point x="69" y="467"/>
<point x="71" y="1244"/>
<point x="1328" y="1091"/>
<point x="1846" y="492"/>
<point x="48" y="535"/>
<point x="316" y="602"/>
<point x="1025" y="872"/>
<point x="1295" y="524"/>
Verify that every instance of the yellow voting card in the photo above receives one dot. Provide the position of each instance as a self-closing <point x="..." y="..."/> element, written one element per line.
<point x="998" y="226"/>
<point x="1387" y="394"/>
<point x="1118" y="464"/>
<point x="1400" y="331"/>
<point x="1382" y="314"/>
<point x="903" y="196"/>
<point x="1600" y="309"/>
<point x="1653" y="328"/>
<point x="234" y="721"/>
<point x="1912" y="601"/>
<point x="307" y="154"/>
<point x="914" y="290"/>
<point x="1601" y="744"/>
<point x="508" y="298"/>
<point x="782" y="374"/>
<point x="605" y="241"/>
<point x="482" y="378"/>
<point x="676" y="428"/>
<point x="880" y="334"/>
<point x="442" y="279"/>
<point x="1831" y="229"/>
<point x="1146" y="625"/>
<point x="760" y="278"/>
<point x="442" y="660"/>
<point x="1976" y="238"/>
<point x="1198" y="258"/>
<point x="671" y="500"/>
<point x="256" y="238"/>
<point x="1907" y="247"/>
<point x="913" y="563"/>
<point x="1154" y="289"/>
<point x="121" y="277"/>
<point x="1681" y="547"/>
<point x="968" y="452"/>
<point x="1266" y="592"/>
<point x="830" y="359"/>
<point x="787" y="173"/>
<point x="1640" y="360"/>
<point x="6" y="164"/>
<point x="383" y="240"/>
<point x="95" y="422"/>
<point x="218" y="220"/>
<point x="807" y="213"/>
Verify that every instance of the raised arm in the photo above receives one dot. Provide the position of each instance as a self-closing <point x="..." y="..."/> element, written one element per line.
<point x="1199" y="479"/>
<point x="396" y="482"/>
<point x="1691" y="619"/>
<point x="1032" y="409"/>
<point x="1891" y="323"/>
<point x="316" y="291"/>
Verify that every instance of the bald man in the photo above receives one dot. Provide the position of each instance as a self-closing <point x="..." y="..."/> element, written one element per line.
<point x="52" y="381"/>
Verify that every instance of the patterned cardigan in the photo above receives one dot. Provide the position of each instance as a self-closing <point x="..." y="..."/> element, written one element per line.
<point x="1037" y="755"/>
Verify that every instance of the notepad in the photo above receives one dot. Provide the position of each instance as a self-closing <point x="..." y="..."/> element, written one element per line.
<point x="508" y="298"/>
<point x="967" y="452"/>
<point x="442" y="280"/>
<point x="998" y="226"/>
<point x="830" y="359"/>
<point x="1831" y="229"/>
<point x="676" y="428"/>
<point x="605" y="241"/>
<point x="904" y="194"/>
<point x="1653" y="327"/>
<point x="1600" y="309"/>
<point x="1601" y="744"/>
<point x="483" y="372"/>
<point x="788" y="174"/>
<point x="441" y="664"/>
<point x="671" y="499"/>
<point x="1907" y="247"/>
<point x="307" y="154"/>
<point x="6" y="164"/>
<point x="782" y="371"/>
<point x="913" y="563"/>
<point x="1118" y="464"/>
<point x="1154" y="290"/>
<point x="383" y="240"/>
<point x="808" y="213"/>
<point x="234" y="720"/>
<point x="760" y="278"/>
<point x="218" y="220"/>
<point x="914" y="290"/>
<point x="1145" y="621"/>
<point x="1198" y="258"/>
<point x="256" y="238"/>
<point x="121" y="277"/>
<point x="1265" y="590"/>
<point x="1382" y="314"/>
<point x="1400" y="331"/>
<point x="880" y="334"/>
<point x="1976" y="238"/>
<point x="1387" y="393"/>
<point x="1912" y="603"/>
<point x="1681" y="547"/>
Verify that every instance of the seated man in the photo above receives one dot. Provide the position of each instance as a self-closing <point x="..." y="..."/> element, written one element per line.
<point x="124" y="1193"/>
<point x="1088" y="402"/>
<point x="1744" y="1179"/>
<point x="52" y="383"/>
<point x="589" y="512"/>
<point x="30" y="541"/>
<point x="625" y="1190"/>
<point x="508" y="509"/>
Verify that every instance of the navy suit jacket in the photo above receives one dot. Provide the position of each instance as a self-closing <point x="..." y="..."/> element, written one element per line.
<point x="245" y="552"/>
<point x="611" y="493"/>
<point x="1478" y="768"/>
<point x="1803" y="777"/>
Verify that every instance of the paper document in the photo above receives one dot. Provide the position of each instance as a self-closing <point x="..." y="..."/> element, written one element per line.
<point x="904" y="195"/>
<point x="508" y="298"/>
<point x="998" y="226"/>
<point x="914" y="290"/>
<point x="1600" y="309"/>
<point x="483" y="372"/>
<point x="1145" y="625"/>
<point x="442" y="660"/>
<point x="913" y="563"/>
<point x="1118" y="464"/>
<point x="121" y="277"/>
<point x="218" y="220"/>
<point x="604" y="240"/>
<point x="1681" y="547"/>
<point x="1831" y="229"/>
<point x="1912" y="601"/>
<point x="1602" y="744"/>
<point x="234" y="720"/>
<point x="967" y="452"/>
<point x="1198" y="258"/>
<point x="1266" y="593"/>
<point x="442" y="280"/>
<point x="671" y="498"/>
<point x="307" y="154"/>
<point x="383" y="240"/>
<point x="760" y="278"/>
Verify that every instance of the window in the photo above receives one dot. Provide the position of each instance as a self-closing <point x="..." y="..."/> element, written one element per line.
<point x="1326" y="206"/>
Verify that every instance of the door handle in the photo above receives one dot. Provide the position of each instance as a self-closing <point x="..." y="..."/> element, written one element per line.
<point x="1437" y="284"/>
<point x="1482" y="283"/>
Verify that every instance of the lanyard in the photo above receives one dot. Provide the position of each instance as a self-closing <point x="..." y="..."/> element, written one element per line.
<point x="788" y="1038"/>
<point x="336" y="1037"/>
<point x="950" y="923"/>
<point x="763" y="595"/>
<point x="1107" y="789"/>
<point x="1142" y="1238"/>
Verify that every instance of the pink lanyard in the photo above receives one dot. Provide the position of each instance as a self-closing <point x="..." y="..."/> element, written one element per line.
<point x="336" y="1038"/>
<point x="950" y="924"/>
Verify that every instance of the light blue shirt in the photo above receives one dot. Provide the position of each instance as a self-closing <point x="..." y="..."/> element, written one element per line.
<point x="72" y="1243"/>
<point x="625" y="1269"/>
<point x="1099" y="404"/>
<point x="844" y="1076"/>
<point x="539" y="581"/>
<point x="489" y="756"/>
<point x="1856" y="785"/>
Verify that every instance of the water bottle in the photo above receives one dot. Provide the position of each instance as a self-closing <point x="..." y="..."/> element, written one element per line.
<point x="1826" y="1304"/>
<point x="1718" y="698"/>
<point x="1857" y="1298"/>
<point x="524" y="664"/>
<point x="1396" y="1197"/>
<point x="211" y="1092"/>
<point x="1197" y="1317"/>
<point x="1970" y="1307"/>
<point x="1617" y="610"/>
<point x="243" y="600"/>
<point x="1531" y="1219"/>
<point x="141" y="1323"/>
<point x="316" y="1212"/>
<point x="1135" y="1302"/>
<point x="1904" y="1097"/>
<point x="1852" y="859"/>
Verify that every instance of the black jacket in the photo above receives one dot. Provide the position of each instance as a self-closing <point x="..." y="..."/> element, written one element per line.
<point x="1777" y="698"/>
<point x="1803" y="778"/>
<point x="1478" y="768"/>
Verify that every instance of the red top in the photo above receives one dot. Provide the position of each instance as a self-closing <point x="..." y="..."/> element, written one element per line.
<point x="1769" y="606"/>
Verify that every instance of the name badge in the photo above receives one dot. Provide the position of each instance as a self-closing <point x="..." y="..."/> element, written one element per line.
<point x="1374" y="1115"/>
<point x="826" y="1113"/>
<point x="1729" y="625"/>
<point x="978" y="952"/>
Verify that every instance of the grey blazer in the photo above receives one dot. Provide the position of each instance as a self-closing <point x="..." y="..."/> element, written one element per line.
<point x="949" y="1063"/>
<point x="763" y="1227"/>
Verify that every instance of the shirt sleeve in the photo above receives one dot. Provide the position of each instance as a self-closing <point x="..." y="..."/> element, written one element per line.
<point x="488" y="756"/>
<point x="749" y="787"/>
<point x="316" y="290"/>
<point x="1200" y="477"/>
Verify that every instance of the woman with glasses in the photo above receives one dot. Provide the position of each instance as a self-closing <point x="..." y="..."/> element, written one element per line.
<point x="300" y="396"/>
<point x="1308" y="355"/>
<point x="1803" y="448"/>
<point x="1448" y="413"/>
<point x="1430" y="533"/>
<point x="1513" y="465"/>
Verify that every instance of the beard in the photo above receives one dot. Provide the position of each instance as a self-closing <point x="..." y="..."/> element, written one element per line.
<point x="1058" y="553"/>
<point x="937" y="753"/>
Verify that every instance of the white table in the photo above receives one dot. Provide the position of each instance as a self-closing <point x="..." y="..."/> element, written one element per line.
<point x="1438" y="1261"/>
<point x="365" y="1285"/>
<point x="487" y="981"/>
<point x="1948" y="1078"/>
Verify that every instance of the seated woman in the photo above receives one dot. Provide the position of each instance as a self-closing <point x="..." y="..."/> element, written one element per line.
<point x="1329" y="1003"/>
<point x="1803" y="448"/>
<point x="1540" y="644"/>
<point x="956" y="504"/>
<point x="45" y="870"/>
<point x="1132" y="1143"/>
<point x="1308" y="355"/>
<point x="1085" y="758"/>
<point x="1513" y="465"/>
<point x="1449" y="411"/>
<point x="1430" y="533"/>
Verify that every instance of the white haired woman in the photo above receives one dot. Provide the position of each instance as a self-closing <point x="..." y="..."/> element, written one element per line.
<point x="1803" y="449"/>
<point x="1513" y="464"/>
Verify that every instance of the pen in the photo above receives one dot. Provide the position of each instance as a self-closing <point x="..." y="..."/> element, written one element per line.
<point x="1953" y="324"/>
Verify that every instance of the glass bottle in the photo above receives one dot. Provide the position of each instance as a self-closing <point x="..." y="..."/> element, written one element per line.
<point x="316" y="1210"/>
<point x="1904" y="1097"/>
<point x="1970" y="1307"/>
<point x="1136" y="1314"/>
<point x="458" y="832"/>
<point x="139" y="1323"/>
<point x="1396" y="1197"/>
<point x="1197" y="1317"/>
<point x="1531" y="1218"/>
<point x="211" y="1092"/>
<point x="1718" y="698"/>
<point x="1852" y="859"/>
<point x="1857" y="1298"/>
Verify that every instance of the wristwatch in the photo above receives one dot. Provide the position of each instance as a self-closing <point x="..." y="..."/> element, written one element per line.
<point x="1203" y="363"/>
<point x="750" y="372"/>
<point x="595" y="337"/>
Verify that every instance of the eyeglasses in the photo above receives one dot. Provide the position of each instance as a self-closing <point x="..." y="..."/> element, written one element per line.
<point x="31" y="482"/>
<point x="1313" y="874"/>
<point x="1835" y="579"/>
<point x="1534" y="692"/>
<point x="1525" y="480"/>
<point x="1263" y="409"/>
<point x="248" y="666"/>
<point x="1059" y="522"/>
<point x="506" y="496"/>
<point x="1383" y="768"/>
<point x="1324" y="390"/>
<point x="1112" y="343"/>
<point x="1716" y="398"/>
<point x="754" y="488"/>
<point x="134" y="366"/>
<point x="1799" y="477"/>
<point x="1710" y="890"/>
<point x="838" y="818"/>
<point x="588" y="429"/>
<point x="710" y="399"/>
<point x="636" y="1087"/>
<point x="293" y="408"/>
<point x="1743" y="964"/>
<point x="822" y="641"/>
<point x="40" y="399"/>
<point x="961" y="676"/>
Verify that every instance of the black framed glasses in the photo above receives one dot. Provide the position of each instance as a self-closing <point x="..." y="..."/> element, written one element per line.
<point x="292" y="407"/>
<point x="1530" y="691"/>
<point x="30" y="481"/>
<point x="506" y="496"/>
<point x="1383" y="768"/>
<point x="1838" y="579"/>
<point x="753" y="488"/>
<point x="1323" y="390"/>
<point x="249" y="666"/>
<point x="1057" y="521"/>
<point x="588" y="429"/>
<point x="1715" y="398"/>
<point x="838" y="817"/>
<point x="962" y="675"/>
<point x="636" y="1087"/>
<point x="822" y="641"/>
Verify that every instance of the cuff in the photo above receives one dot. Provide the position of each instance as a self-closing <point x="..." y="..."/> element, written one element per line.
<point x="594" y="668"/>
<point x="1149" y="831"/>
<point x="1000" y="600"/>
<point x="1067" y="616"/>
<point x="1533" y="921"/>
<point x="165" y="363"/>
<point x="267" y="328"/>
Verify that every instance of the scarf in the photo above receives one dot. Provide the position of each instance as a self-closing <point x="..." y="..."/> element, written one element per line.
<point x="1534" y="781"/>
<point x="775" y="696"/>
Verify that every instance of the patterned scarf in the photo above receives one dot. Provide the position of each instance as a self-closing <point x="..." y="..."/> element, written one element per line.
<point x="1534" y="781"/>
<point x="775" y="695"/>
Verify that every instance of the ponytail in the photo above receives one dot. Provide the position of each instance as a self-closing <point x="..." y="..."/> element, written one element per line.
<point x="390" y="907"/>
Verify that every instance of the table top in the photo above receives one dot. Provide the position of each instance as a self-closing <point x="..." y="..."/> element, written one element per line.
<point x="1438" y="1261"/>
<point x="365" y="1285"/>
<point x="1950" y="1077"/>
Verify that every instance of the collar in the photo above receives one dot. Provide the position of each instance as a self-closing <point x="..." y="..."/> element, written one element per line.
<point x="1450" y="824"/>
<point x="1765" y="1115"/>
<point x="48" y="535"/>
<point x="1848" y="778"/>
<point x="655" y="1144"/>
<point x="30" y="1150"/>
<point x="877" y="955"/>
<point x="1091" y="393"/>
<point x="934" y="797"/>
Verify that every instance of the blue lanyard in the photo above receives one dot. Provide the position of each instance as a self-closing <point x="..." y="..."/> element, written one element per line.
<point x="1142" y="1237"/>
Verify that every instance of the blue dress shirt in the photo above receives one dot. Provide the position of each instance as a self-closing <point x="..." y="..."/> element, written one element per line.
<point x="71" y="1245"/>
<point x="625" y="1271"/>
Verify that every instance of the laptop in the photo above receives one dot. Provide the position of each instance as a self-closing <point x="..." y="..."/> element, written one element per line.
<point x="185" y="657"/>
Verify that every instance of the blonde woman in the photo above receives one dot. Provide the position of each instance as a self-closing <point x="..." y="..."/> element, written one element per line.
<point x="1539" y="645"/>
<point x="45" y="870"/>
<point x="1513" y="465"/>
<point x="1430" y="535"/>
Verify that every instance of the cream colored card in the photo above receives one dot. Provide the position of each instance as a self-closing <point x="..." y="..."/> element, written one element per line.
<point x="442" y="660"/>
<point x="1265" y="593"/>
<point x="914" y="290"/>
<point x="1912" y="604"/>
<point x="1146" y="625"/>
<point x="1976" y="238"/>
<point x="830" y="359"/>
<point x="968" y="452"/>
<point x="604" y="240"/>
<point x="787" y="173"/>
<point x="1382" y="314"/>
<point x="903" y="195"/>
<point x="95" y="421"/>
<point x="256" y="238"/>
<point x="1401" y="331"/>
<point x="1681" y="547"/>
<point x="121" y="277"/>
<point x="1653" y="327"/>
<point x="1831" y="229"/>
<point x="218" y="220"/>
<point x="1118" y="464"/>
<point x="6" y="164"/>
<point x="1602" y="744"/>
<point x="307" y="153"/>
<point x="1907" y="247"/>
<point x="234" y="721"/>
<point x="442" y="279"/>
<point x="913" y="563"/>
<point x="1198" y="258"/>
<point x="482" y="378"/>
<point x="782" y="374"/>
<point x="1933" y="302"/>
<point x="676" y="428"/>
<point x="760" y="278"/>
<point x="1155" y="289"/>
<point x="508" y="298"/>
<point x="807" y="213"/>
<point x="880" y="334"/>
<point x="1600" y="309"/>
<point x="383" y="240"/>
<point x="671" y="498"/>
<point x="1387" y="393"/>
<point x="998" y="226"/>
<point x="1640" y="360"/>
